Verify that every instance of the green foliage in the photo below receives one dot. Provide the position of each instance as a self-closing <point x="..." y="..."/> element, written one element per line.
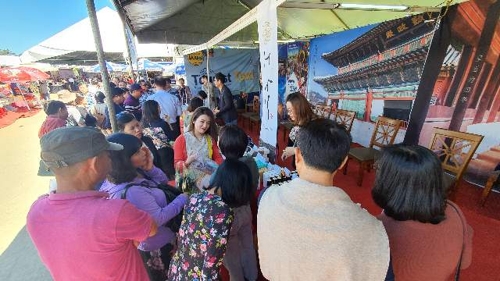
<point x="6" y="52"/>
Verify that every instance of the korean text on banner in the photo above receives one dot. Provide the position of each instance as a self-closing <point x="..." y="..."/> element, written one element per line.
<point x="268" y="47"/>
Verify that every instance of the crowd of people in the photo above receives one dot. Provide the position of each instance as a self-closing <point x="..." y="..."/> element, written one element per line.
<point x="116" y="213"/>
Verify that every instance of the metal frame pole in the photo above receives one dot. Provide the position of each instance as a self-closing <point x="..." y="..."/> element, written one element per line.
<point x="208" y="78"/>
<point x="102" y="63"/>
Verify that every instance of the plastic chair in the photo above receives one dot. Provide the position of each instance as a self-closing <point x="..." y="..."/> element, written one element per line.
<point x="384" y="134"/>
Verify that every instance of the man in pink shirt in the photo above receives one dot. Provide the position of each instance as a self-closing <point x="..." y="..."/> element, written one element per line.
<point x="78" y="232"/>
<point x="57" y="113"/>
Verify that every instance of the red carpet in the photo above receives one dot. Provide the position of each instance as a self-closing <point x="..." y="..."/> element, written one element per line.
<point x="484" y="220"/>
<point x="9" y="117"/>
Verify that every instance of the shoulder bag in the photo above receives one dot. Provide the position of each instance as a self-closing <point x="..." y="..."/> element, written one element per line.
<point x="170" y="194"/>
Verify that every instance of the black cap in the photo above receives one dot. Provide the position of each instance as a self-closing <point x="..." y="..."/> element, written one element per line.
<point x="117" y="92"/>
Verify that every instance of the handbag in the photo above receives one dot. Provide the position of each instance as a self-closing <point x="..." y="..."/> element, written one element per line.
<point x="170" y="194"/>
<point x="459" y="265"/>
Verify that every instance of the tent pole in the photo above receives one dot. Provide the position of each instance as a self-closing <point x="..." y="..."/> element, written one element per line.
<point x="102" y="63"/>
<point x="208" y="80"/>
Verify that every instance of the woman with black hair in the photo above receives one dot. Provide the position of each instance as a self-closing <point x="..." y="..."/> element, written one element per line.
<point x="160" y="132"/>
<point x="134" y="177"/>
<point x="428" y="235"/>
<point x="127" y="124"/>
<point x="207" y="220"/>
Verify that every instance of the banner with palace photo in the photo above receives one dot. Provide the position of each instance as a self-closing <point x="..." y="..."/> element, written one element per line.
<point x="373" y="71"/>
<point x="466" y="92"/>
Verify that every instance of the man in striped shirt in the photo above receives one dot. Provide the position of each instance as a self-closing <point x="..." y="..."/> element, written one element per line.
<point x="132" y="103"/>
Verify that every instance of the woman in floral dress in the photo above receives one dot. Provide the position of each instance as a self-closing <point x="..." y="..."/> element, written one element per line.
<point x="207" y="220"/>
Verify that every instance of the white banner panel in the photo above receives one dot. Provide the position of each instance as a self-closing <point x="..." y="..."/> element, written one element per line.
<point x="268" y="47"/>
<point x="131" y="45"/>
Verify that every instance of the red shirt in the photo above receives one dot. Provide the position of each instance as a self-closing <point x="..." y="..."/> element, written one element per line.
<point x="85" y="236"/>
<point x="51" y="123"/>
<point x="180" y="152"/>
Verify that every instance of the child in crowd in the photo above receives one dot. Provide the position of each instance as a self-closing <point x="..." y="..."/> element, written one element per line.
<point x="207" y="220"/>
<point x="240" y="258"/>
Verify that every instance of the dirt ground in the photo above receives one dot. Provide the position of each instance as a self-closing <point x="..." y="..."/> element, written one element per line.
<point x="19" y="187"/>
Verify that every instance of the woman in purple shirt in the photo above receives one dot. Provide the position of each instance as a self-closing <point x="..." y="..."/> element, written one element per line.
<point x="131" y="175"/>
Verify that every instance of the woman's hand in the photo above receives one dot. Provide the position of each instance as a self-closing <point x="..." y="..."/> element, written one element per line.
<point x="287" y="152"/>
<point x="148" y="164"/>
<point x="191" y="158"/>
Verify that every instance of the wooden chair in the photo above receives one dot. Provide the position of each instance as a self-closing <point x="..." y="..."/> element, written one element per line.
<point x="254" y="113"/>
<point x="493" y="180"/>
<point x="384" y="134"/>
<point x="345" y="118"/>
<point x="255" y="118"/>
<point x="455" y="150"/>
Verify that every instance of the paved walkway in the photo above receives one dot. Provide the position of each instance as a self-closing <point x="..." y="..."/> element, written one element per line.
<point x="19" y="187"/>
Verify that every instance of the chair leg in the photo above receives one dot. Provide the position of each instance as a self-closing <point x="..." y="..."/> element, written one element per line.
<point x="452" y="192"/>
<point x="345" y="166"/>
<point x="487" y="190"/>
<point x="361" y="172"/>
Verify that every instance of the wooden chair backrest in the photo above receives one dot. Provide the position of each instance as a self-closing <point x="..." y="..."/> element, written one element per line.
<point x="385" y="132"/>
<point x="256" y="104"/>
<point x="345" y="118"/>
<point x="454" y="149"/>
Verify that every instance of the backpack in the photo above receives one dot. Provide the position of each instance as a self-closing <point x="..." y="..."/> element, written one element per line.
<point x="100" y="120"/>
<point x="90" y="121"/>
<point x="170" y="193"/>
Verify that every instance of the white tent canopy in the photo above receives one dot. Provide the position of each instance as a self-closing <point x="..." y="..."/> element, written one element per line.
<point x="77" y="43"/>
<point x="9" y="60"/>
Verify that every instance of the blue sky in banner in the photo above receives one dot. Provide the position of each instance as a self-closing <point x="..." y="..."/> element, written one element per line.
<point x="326" y="44"/>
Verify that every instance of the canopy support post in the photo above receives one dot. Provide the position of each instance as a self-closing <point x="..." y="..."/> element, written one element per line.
<point x="102" y="63"/>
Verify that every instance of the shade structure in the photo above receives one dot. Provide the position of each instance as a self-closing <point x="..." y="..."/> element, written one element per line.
<point x="195" y="22"/>
<point x="75" y="44"/>
<point x="175" y="68"/>
<point x="145" y="64"/>
<point x="22" y="74"/>
<point x="111" y="66"/>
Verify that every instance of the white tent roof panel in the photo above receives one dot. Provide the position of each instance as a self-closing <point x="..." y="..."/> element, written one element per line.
<point x="77" y="42"/>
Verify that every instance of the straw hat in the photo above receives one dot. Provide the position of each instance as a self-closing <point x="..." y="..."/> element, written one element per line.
<point x="64" y="96"/>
